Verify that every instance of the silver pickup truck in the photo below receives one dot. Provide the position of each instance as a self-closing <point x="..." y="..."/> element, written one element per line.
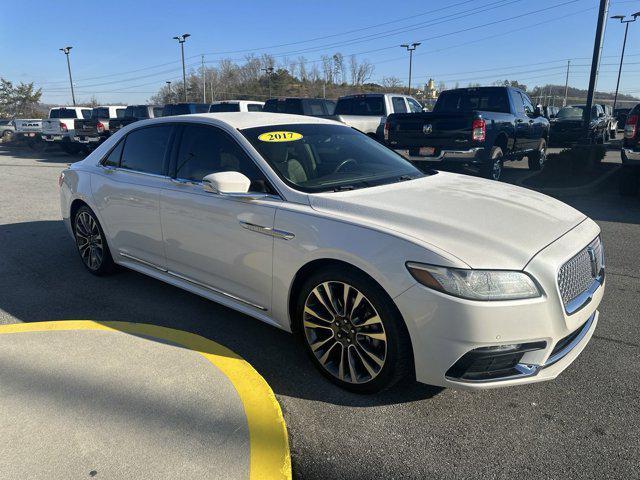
<point x="368" y="112"/>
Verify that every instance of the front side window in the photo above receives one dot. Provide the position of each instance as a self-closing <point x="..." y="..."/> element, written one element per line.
<point x="528" y="106"/>
<point x="205" y="149"/>
<point x="414" y="106"/>
<point x="320" y="158"/>
<point x="398" y="105"/>
<point x="145" y="149"/>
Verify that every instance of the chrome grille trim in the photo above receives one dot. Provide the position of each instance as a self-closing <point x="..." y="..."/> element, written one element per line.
<point x="581" y="275"/>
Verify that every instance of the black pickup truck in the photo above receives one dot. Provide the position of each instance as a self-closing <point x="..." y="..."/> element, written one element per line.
<point x="133" y="113"/>
<point x="478" y="127"/>
<point x="94" y="130"/>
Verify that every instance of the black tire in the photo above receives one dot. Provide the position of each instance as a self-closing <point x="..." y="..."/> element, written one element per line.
<point x="628" y="185"/>
<point x="81" y="228"/>
<point x="606" y="136"/>
<point x="538" y="158"/>
<point x="398" y="354"/>
<point x="7" y="136"/>
<point x="492" y="168"/>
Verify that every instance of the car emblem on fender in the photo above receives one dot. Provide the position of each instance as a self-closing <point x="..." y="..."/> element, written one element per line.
<point x="427" y="128"/>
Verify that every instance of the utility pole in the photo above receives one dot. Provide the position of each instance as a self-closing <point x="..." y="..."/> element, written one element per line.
<point x="268" y="71"/>
<point x="66" y="51"/>
<point x="595" y="61"/>
<point x="566" y="85"/>
<point x="204" y="82"/>
<point x="410" y="49"/>
<point x="624" y="44"/>
<point x="168" y="82"/>
<point x="181" y="39"/>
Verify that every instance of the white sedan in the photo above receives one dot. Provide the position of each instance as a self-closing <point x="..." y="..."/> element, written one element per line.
<point x="382" y="270"/>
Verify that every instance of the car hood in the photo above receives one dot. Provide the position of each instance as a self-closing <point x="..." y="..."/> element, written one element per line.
<point x="483" y="223"/>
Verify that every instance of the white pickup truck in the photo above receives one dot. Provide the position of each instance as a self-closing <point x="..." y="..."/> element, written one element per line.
<point x="368" y="112"/>
<point x="236" y="106"/>
<point x="59" y="127"/>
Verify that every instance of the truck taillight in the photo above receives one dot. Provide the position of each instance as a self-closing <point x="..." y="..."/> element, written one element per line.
<point x="631" y="127"/>
<point x="386" y="131"/>
<point x="63" y="127"/>
<point x="478" y="130"/>
<point x="100" y="127"/>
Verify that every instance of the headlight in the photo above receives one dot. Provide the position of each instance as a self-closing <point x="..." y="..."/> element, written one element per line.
<point x="476" y="284"/>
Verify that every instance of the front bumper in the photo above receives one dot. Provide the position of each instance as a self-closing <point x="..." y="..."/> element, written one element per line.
<point x="473" y="155"/>
<point x="630" y="157"/>
<point x="444" y="329"/>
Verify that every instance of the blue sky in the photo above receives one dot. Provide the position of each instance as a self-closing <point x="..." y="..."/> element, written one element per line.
<point x="124" y="51"/>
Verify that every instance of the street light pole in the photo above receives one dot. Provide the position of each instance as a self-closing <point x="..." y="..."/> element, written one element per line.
<point x="566" y="85"/>
<point x="181" y="39"/>
<point x="204" y="82"/>
<point x="168" y="82"/>
<point x="624" y="44"/>
<point x="410" y="49"/>
<point x="268" y="71"/>
<point x="66" y="51"/>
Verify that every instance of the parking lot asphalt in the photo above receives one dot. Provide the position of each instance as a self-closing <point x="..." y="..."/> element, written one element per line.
<point x="583" y="425"/>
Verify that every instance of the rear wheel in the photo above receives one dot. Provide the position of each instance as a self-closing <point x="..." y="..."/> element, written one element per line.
<point x="91" y="242"/>
<point x="492" y="169"/>
<point x="538" y="158"/>
<point x="7" y="136"/>
<point x="352" y="331"/>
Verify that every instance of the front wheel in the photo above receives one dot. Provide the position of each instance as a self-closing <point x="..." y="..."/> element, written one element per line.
<point x="492" y="169"/>
<point x="352" y="331"/>
<point x="538" y="158"/>
<point x="91" y="242"/>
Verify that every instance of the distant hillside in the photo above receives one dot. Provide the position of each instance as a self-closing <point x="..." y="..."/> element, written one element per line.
<point x="554" y="94"/>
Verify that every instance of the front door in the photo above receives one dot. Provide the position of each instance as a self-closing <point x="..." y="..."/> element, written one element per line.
<point x="127" y="193"/>
<point x="212" y="240"/>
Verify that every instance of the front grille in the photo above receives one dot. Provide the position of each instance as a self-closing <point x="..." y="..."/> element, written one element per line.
<point x="579" y="273"/>
<point x="564" y="342"/>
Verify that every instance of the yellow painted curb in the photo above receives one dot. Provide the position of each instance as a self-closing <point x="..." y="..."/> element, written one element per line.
<point x="268" y="440"/>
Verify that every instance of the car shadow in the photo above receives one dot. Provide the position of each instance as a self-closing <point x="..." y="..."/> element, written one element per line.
<point x="53" y="154"/>
<point x="42" y="279"/>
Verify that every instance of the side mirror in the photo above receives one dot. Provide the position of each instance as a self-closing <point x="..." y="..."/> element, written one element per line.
<point x="230" y="184"/>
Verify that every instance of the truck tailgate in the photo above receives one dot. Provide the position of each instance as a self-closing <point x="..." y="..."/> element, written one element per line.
<point x="87" y="127"/>
<point x="439" y="130"/>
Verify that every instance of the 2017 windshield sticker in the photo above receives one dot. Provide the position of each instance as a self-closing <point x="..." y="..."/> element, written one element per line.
<point x="280" y="136"/>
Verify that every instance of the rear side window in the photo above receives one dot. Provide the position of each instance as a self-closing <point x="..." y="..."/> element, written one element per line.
<point x="293" y="105"/>
<point x="86" y="113"/>
<point x="113" y="159"/>
<point x="225" y="107"/>
<point x="201" y="108"/>
<point x="120" y="112"/>
<point x="360" y="106"/>
<point x="398" y="105"/>
<point x="145" y="149"/>
<point x="54" y="114"/>
<point x="254" y="107"/>
<point x="100" y="113"/>
<point x="467" y="100"/>
<point x="315" y="107"/>
<point x="157" y="112"/>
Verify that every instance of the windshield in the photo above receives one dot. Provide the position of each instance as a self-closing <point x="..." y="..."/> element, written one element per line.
<point x="321" y="158"/>
<point x="62" y="113"/>
<point x="225" y="107"/>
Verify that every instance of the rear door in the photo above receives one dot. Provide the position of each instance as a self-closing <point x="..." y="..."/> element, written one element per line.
<point x="522" y="122"/>
<point x="127" y="193"/>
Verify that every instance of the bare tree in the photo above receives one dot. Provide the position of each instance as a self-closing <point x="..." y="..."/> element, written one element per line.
<point x="302" y="68"/>
<point x="391" y="82"/>
<point x="353" y="69"/>
<point x="327" y="68"/>
<point x="365" y="70"/>
<point x="338" y="68"/>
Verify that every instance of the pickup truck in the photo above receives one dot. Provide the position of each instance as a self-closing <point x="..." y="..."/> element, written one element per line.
<point x="95" y="129"/>
<point x="630" y="152"/>
<point x="314" y="107"/>
<point x="236" y="106"/>
<point x="28" y="130"/>
<point x="7" y="130"/>
<point x="567" y="128"/>
<point x="133" y="113"/>
<point x="476" y="127"/>
<point x="59" y="127"/>
<point x="368" y="113"/>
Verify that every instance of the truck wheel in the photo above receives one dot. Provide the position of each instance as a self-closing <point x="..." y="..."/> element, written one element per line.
<point x="492" y="169"/>
<point x="537" y="158"/>
<point x="7" y="136"/>
<point x="607" y="135"/>
<point x="628" y="185"/>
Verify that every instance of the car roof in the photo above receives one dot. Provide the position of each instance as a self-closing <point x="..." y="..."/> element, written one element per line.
<point x="242" y="120"/>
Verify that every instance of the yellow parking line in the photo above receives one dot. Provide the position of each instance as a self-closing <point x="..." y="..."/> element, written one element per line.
<point x="268" y="440"/>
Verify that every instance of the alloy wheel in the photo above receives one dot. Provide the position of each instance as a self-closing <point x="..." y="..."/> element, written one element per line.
<point x="496" y="168"/>
<point x="89" y="240"/>
<point x="344" y="332"/>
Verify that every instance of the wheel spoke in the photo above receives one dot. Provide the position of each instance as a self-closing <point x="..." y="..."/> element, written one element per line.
<point x="366" y="365"/>
<point x="318" y="295"/>
<point x="325" y="356"/>
<point x="312" y="313"/>
<point x="332" y="299"/>
<point x="371" y="321"/>
<point x="352" y="372"/>
<point x="356" y="303"/>
<point x="310" y="324"/>
<point x="345" y="298"/>
<point x="371" y="355"/>
<point x="341" y="365"/>
<point x="376" y="336"/>
<point x="315" y="346"/>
